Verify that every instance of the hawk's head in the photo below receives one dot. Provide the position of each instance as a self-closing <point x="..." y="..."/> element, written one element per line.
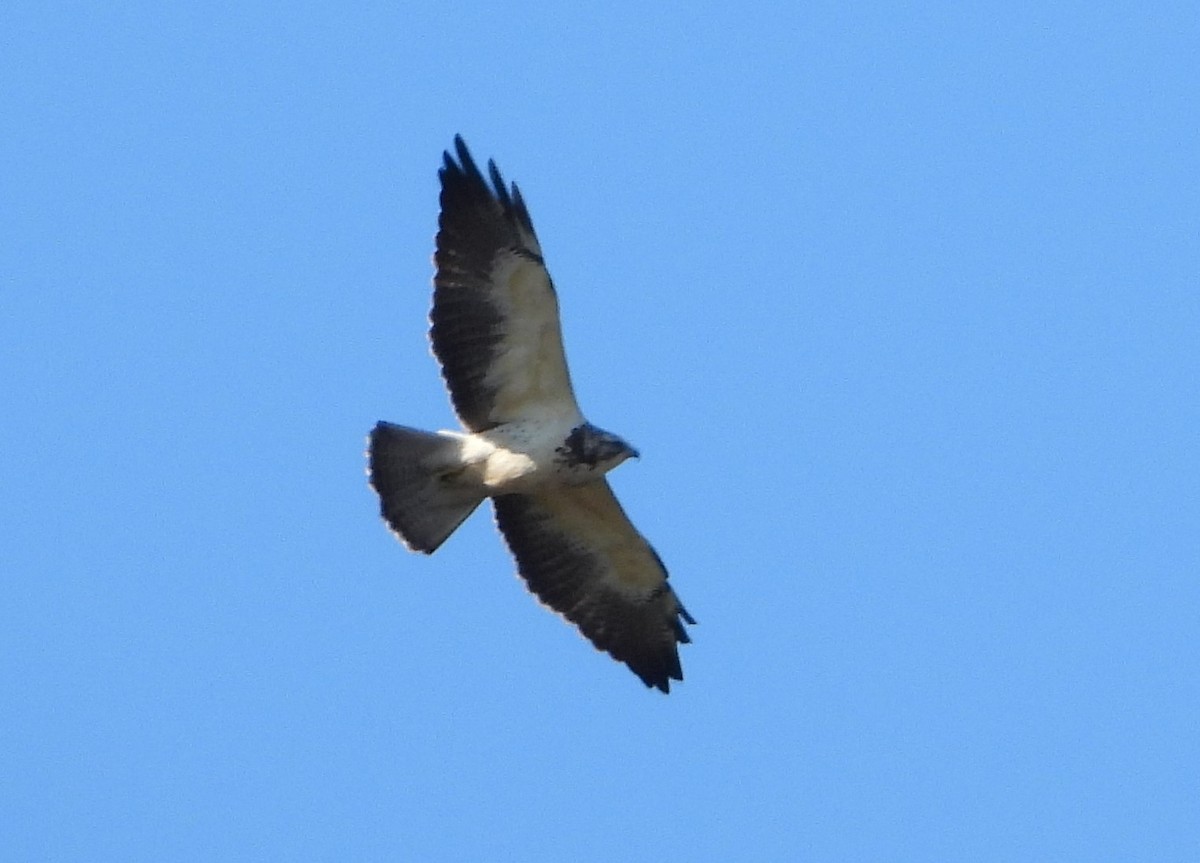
<point x="594" y="448"/>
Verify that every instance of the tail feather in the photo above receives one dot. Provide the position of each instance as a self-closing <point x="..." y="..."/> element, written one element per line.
<point x="408" y="470"/>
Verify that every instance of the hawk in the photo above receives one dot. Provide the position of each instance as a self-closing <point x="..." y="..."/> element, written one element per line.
<point x="525" y="443"/>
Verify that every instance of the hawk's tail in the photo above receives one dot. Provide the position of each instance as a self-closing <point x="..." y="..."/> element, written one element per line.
<point x="410" y="469"/>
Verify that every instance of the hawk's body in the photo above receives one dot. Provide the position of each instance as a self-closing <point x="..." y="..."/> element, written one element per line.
<point x="495" y="330"/>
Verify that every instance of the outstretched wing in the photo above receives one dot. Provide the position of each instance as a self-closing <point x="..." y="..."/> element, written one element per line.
<point x="495" y="326"/>
<point x="582" y="557"/>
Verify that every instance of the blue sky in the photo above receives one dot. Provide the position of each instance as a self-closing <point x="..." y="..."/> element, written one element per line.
<point x="899" y="302"/>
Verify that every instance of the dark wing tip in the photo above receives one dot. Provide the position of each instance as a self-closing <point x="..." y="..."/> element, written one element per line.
<point x="649" y="646"/>
<point x="656" y="676"/>
<point x="461" y="174"/>
<point x="463" y="178"/>
<point x="657" y="663"/>
<point x="683" y="612"/>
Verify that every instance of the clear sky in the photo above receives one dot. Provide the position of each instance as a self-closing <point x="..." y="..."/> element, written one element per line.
<point x="900" y="303"/>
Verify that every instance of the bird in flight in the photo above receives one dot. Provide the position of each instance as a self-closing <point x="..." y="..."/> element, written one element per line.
<point x="525" y="443"/>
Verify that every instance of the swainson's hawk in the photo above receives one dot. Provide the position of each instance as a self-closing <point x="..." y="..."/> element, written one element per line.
<point x="526" y="445"/>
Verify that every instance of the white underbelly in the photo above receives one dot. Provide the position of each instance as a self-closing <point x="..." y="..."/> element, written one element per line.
<point x="521" y="456"/>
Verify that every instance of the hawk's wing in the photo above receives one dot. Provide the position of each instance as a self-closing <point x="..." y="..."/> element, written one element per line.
<point x="583" y="558"/>
<point x="495" y="325"/>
